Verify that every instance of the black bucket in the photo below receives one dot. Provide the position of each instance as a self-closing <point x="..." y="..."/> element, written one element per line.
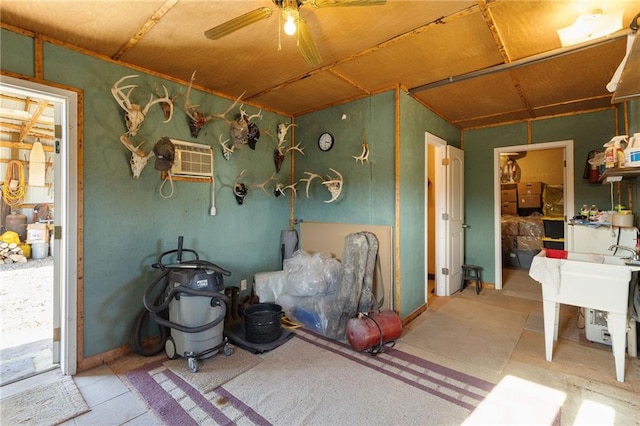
<point x="262" y="322"/>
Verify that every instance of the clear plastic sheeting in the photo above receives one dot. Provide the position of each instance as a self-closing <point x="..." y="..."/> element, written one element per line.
<point x="311" y="274"/>
<point x="553" y="201"/>
<point x="323" y="294"/>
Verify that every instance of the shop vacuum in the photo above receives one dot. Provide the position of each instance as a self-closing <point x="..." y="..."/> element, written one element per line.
<point x="188" y="298"/>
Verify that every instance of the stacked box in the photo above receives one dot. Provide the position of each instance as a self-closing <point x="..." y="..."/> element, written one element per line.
<point x="531" y="227"/>
<point x="529" y="243"/>
<point x="510" y="226"/>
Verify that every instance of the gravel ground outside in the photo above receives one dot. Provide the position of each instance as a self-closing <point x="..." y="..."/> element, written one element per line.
<point x="26" y="302"/>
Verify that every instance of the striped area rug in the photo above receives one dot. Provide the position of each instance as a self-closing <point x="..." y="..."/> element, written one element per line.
<point x="313" y="380"/>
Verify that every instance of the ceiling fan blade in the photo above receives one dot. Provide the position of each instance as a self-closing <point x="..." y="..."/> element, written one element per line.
<point x="306" y="46"/>
<point x="341" y="3"/>
<point x="237" y="23"/>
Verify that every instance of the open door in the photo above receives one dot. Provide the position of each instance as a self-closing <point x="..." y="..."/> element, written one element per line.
<point x="454" y="223"/>
<point x="449" y="220"/>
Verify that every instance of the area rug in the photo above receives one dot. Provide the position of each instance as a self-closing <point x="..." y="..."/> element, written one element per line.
<point x="46" y="404"/>
<point x="214" y="371"/>
<point x="471" y="332"/>
<point x="312" y="380"/>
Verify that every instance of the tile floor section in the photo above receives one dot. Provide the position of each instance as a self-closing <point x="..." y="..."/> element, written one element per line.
<point x="112" y="403"/>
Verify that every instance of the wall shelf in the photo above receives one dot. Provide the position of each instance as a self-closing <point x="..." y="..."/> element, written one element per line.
<point x="624" y="173"/>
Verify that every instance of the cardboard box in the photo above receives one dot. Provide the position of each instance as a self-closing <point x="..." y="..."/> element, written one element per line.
<point x="509" y="243"/>
<point x="509" y="208"/>
<point x="527" y="188"/>
<point x="508" y="195"/>
<point x="37" y="233"/>
<point x="529" y="201"/>
<point x="529" y="243"/>
<point x="509" y="227"/>
<point x="531" y="227"/>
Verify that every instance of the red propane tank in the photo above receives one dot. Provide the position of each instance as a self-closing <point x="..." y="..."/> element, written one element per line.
<point x="363" y="333"/>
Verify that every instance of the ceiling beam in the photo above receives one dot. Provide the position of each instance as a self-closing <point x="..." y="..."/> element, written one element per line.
<point x="155" y="18"/>
<point x="541" y="57"/>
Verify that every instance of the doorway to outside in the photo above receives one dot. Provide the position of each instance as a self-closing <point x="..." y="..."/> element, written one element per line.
<point x="38" y="149"/>
<point x="567" y="165"/>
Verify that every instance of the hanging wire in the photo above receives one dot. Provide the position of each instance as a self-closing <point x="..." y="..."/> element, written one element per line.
<point x="14" y="188"/>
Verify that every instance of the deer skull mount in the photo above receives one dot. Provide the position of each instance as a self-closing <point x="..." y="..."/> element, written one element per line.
<point x="197" y="119"/>
<point x="227" y="151"/>
<point x="334" y="185"/>
<point x="134" y="113"/>
<point x="280" y="152"/>
<point x="139" y="158"/>
<point x="240" y="190"/>
<point x="243" y="131"/>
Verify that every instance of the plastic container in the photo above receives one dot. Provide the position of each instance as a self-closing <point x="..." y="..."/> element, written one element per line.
<point x="553" y="228"/>
<point x="552" y="243"/>
<point x="555" y="254"/>
<point x="39" y="250"/>
<point x="525" y="257"/>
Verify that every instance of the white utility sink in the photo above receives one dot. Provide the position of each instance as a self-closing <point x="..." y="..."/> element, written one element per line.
<point x="593" y="281"/>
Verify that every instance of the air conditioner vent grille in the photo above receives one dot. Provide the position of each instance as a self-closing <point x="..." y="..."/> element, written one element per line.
<point x="192" y="159"/>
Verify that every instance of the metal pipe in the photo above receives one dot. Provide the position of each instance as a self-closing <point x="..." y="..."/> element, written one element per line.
<point x="563" y="51"/>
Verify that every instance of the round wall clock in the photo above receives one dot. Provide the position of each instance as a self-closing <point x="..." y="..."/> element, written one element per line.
<point x="325" y="141"/>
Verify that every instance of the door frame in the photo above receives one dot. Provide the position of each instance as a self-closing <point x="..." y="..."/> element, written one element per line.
<point x="568" y="185"/>
<point x="66" y="200"/>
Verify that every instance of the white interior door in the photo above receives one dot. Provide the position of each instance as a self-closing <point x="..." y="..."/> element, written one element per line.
<point x="455" y="218"/>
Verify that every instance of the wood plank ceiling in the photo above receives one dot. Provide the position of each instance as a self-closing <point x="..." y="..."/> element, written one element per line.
<point x="364" y="50"/>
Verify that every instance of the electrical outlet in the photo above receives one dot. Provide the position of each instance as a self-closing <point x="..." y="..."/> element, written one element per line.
<point x="243" y="285"/>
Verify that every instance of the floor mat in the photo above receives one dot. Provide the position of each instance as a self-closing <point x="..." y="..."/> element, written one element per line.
<point x="45" y="404"/>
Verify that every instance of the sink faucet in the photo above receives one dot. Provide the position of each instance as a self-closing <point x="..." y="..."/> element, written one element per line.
<point x="634" y="254"/>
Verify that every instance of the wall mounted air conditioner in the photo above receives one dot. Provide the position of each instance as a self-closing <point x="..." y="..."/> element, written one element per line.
<point x="192" y="160"/>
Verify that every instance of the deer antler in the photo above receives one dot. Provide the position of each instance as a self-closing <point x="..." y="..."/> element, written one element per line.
<point x="295" y="148"/>
<point x="280" y="188"/>
<point x="309" y="179"/>
<point x="226" y="151"/>
<point x="262" y="185"/>
<point x="134" y="114"/>
<point x="139" y="158"/>
<point x="165" y="100"/>
<point x="198" y="119"/>
<point x="365" y="154"/>
<point x="334" y="186"/>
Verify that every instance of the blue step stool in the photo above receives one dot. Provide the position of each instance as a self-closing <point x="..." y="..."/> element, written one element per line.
<point x="471" y="273"/>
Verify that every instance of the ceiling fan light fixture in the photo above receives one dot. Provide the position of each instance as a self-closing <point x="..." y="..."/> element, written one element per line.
<point x="589" y="26"/>
<point x="290" y="25"/>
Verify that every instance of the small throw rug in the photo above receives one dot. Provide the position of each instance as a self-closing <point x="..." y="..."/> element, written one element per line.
<point x="313" y="380"/>
<point x="45" y="404"/>
<point x="470" y="332"/>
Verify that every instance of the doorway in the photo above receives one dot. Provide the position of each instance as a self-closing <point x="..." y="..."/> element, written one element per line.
<point x="567" y="165"/>
<point x="52" y="211"/>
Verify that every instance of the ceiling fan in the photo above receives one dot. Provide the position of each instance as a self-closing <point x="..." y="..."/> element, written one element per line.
<point x="290" y="12"/>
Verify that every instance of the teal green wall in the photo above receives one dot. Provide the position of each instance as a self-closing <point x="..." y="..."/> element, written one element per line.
<point x="16" y="53"/>
<point x="589" y="131"/>
<point x="127" y="224"/>
<point x="415" y="120"/>
<point x="368" y="196"/>
<point x="368" y="193"/>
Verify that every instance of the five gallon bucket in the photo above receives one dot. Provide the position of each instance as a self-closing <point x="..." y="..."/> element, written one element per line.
<point x="39" y="250"/>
